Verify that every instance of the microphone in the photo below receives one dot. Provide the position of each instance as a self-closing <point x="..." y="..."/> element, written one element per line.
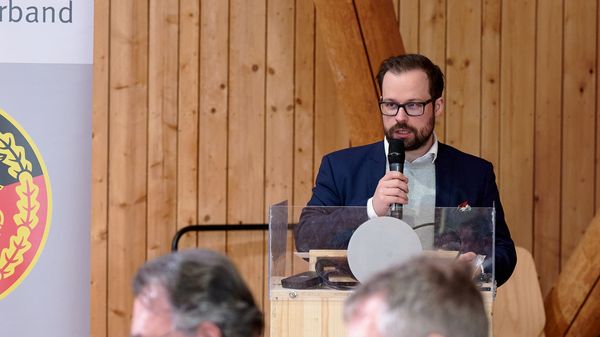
<point x="396" y="162"/>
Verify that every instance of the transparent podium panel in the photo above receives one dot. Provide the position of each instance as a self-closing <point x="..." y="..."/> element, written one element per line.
<point x="323" y="248"/>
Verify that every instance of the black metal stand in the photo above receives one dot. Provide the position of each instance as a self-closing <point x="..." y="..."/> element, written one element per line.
<point x="212" y="228"/>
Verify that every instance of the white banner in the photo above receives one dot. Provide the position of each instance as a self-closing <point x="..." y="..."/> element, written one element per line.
<point x="45" y="166"/>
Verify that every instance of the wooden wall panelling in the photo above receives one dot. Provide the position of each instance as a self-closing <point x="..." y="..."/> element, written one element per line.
<point x="579" y="120"/>
<point x="213" y="146"/>
<point x="127" y="156"/>
<point x="99" y="208"/>
<point x="246" y="138"/>
<point x="187" y="135"/>
<point x="408" y="20"/>
<point x="379" y="29"/>
<point x="490" y="81"/>
<point x="463" y="69"/>
<point x="163" y="62"/>
<point x="349" y="64"/>
<point x="534" y="127"/>
<point x="516" y="113"/>
<point x="331" y="129"/>
<point x="432" y="43"/>
<point x="548" y="135"/>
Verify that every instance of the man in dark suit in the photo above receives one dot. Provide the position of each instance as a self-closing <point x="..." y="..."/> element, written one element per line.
<point x="435" y="175"/>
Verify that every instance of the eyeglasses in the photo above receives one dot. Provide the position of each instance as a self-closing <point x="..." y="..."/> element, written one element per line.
<point x="413" y="109"/>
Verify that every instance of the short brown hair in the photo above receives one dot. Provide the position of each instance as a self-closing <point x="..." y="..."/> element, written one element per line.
<point x="402" y="63"/>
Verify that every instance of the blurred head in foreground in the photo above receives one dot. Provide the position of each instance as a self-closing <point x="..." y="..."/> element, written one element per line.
<point x="193" y="293"/>
<point x="424" y="297"/>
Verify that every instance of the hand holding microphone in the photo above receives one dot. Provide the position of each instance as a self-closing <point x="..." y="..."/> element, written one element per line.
<point x="396" y="162"/>
<point x="393" y="187"/>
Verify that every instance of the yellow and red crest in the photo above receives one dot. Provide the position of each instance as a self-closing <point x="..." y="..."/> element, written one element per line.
<point x="25" y="204"/>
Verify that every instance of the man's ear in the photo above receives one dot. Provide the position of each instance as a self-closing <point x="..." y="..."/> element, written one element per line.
<point x="438" y="106"/>
<point x="208" y="329"/>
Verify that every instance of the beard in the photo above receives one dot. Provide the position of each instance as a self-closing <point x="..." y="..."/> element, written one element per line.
<point x="421" y="136"/>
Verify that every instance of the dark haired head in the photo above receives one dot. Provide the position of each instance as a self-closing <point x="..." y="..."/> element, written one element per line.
<point x="403" y="63"/>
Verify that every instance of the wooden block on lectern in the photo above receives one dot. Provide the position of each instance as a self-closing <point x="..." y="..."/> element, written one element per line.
<point x="307" y="312"/>
<point x="313" y="254"/>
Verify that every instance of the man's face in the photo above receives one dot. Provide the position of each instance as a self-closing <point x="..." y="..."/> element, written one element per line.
<point x="366" y="318"/>
<point x="410" y="86"/>
<point x="152" y="314"/>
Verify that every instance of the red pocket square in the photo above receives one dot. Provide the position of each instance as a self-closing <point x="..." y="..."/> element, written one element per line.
<point x="464" y="206"/>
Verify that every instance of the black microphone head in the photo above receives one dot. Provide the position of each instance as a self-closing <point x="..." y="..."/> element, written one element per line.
<point x="396" y="151"/>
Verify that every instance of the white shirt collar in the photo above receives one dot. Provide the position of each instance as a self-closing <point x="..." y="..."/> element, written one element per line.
<point x="431" y="153"/>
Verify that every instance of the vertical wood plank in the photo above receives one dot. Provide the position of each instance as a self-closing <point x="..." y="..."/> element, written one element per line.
<point x="127" y="156"/>
<point x="213" y="130"/>
<point x="597" y="166"/>
<point x="187" y="136"/>
<point x="279" y="113"/>
<point x="463" y="71"/>
<point x="331" y="129"/>
<point x="490" y="81"/>
<point x="516" y="117"/>
<point x="408" y="19"/>
<point x="266" y="300"/>
<point x="304" y="99"/>
<point x="246" y="137"/>
<point x="432" y="43"/>
<point x="99" y="258"/>
<point x="548" y="115"/>
<point x="349" y="64"/>
<point x="579" y="121"/>
<point x="162" y="125"/>
<point x="279" y="155"/>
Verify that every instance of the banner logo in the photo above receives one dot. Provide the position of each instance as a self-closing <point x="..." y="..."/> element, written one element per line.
<point x="25" y="204"/>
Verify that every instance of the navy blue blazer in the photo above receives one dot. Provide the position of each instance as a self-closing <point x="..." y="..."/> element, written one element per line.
<point x="349" y="177"/>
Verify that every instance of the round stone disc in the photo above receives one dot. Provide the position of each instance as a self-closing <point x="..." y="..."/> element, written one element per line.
<point x="379" y="243"/>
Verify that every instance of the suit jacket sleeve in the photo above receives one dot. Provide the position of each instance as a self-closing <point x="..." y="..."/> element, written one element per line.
<point x="505" y="254"/>
<point x="327" y="227"/>
<point x="325" y="192"/>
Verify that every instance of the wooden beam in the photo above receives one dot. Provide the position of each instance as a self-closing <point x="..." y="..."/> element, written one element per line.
<point x="357" y="97"/>
<point x="573" y="305"/>
<point x="380" y="32"/>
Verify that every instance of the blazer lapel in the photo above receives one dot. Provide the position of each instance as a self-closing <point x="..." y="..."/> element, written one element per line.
<point x="443" y="183"/>
<point x="376" y="165"/>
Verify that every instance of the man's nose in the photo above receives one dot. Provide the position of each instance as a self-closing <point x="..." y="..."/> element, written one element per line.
<point x="401" y="116"/>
